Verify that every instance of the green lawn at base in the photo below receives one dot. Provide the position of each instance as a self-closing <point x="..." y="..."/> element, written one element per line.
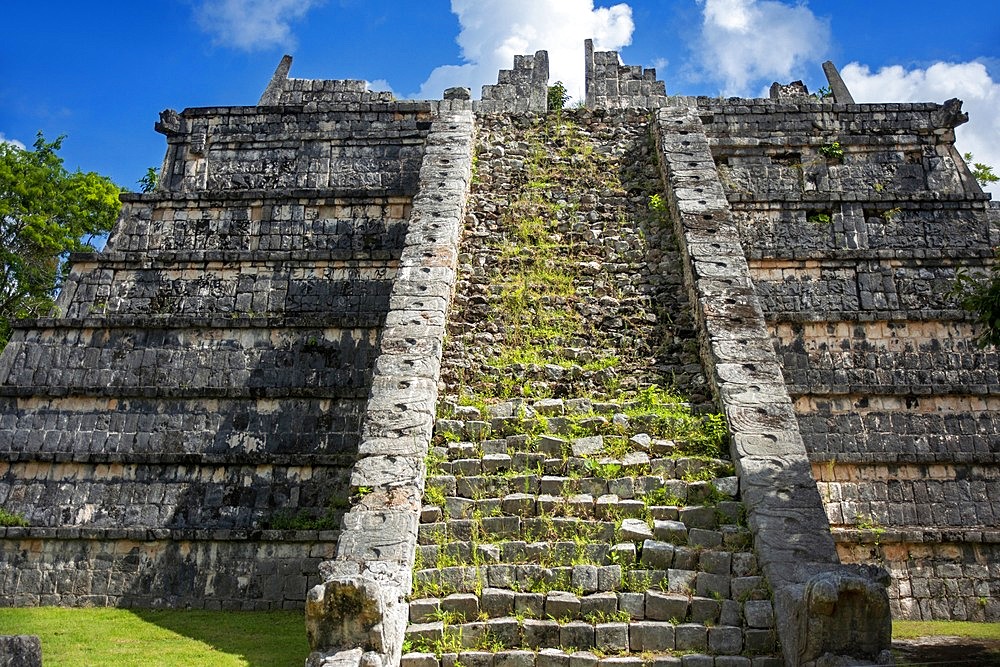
<point x="913" y="629"/>
<point x="134" y="638"/>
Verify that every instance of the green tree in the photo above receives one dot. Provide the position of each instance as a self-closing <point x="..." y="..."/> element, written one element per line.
<point x="983" y="173"/>
<point x="557" y="96"/>
<point x="980" y="294"/>
<point x="46" y="212"/>
<point x="149" y="182"/>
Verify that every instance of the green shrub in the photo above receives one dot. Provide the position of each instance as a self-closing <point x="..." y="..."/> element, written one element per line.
<point x="12" y="519"/>
<point x="980" y="294"/>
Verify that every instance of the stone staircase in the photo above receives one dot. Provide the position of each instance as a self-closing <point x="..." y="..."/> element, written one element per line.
<point x="604" y="541"/>
<point x="574" y="511"/>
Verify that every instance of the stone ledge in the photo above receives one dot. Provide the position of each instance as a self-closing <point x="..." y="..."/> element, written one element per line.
<point x="181" y="321"/>
<point x="835" y="316"/>
<point x="862" y="197"/>
<point x="917" y="535"/>
<point x="898" y="458"/>
<point x="798" y="391"/>
<point x="354" y="108"/>
<point x="26" y="391"/>
<point x="815" y="597"/>
<point x="278" y="194"/>
<point x="165" y="258"/>
<point x="850" y="256"/>
<point x="168" y="534"/>
<point x="187" y="458"/>
<point x="742" y="105"/>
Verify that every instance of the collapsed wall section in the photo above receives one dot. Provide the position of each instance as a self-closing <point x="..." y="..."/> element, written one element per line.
<point x="185" y="432"/>
<point x="855" y="220"/>
<point x="612" y="85"/>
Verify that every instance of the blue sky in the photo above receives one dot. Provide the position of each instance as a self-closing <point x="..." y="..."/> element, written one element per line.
<point x="100" y="72"/>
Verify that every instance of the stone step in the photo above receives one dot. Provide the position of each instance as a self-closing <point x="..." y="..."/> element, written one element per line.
<point x="554" y="657"/>
<point x="617" y="637"/>
<point x="517" y="515"/>
<point x="472" y="461"/>
<point x="670" y="548"/>
<point x="750" y="599"/>
<point x="580" y="496"/>
<point x="557" y="435"/>
<point x="437" y="581"/>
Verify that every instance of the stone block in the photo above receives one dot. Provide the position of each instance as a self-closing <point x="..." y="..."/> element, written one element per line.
<point x="539" y="634"/>
<point x="634" y="604"/>
<point x="582" y="659"/>
<point x="635" y="530"/>
<point x="674" y="532"/>
<point x="611" y="637"/>
<point x="757" y="641"/>
<point x="681" y="581"/>
<point x="652" y="636"/>
<point x="419" y="660"/>
<point x="530" y="604"/>
<point x="465" y="605"/>
<point x="551" y="657"/>
<point x="495" y="602"/>
<point x="560" y="604"/>
<point x="585" y="578"/>
<point x="712" y="585"/>
<point x="514" y="659"/>
<point x="758" y="613"/>
<point x="657" y="555"/>
<point x="705" y="610"/>
<point x="577" y="634"/>
<point x="666" y="607"/>
<point x="609" y="577"/>
<point x="697" y="660"/>
<point x="21" y="650"/>
<point x="725" y="640"/>
<point x="476" y="659"/>
<point x="690" y="637"/>
<point x="423" y="611"/>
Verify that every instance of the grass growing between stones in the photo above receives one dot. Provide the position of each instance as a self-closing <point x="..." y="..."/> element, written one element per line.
<point x="913" y="629"/>
<point x="138" y="638"/>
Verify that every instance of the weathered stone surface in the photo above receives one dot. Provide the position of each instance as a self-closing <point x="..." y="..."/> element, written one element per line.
<point x="20" y="651"/>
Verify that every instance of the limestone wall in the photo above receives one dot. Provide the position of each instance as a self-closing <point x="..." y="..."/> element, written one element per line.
<point x="185" y="431"/>
<point x="855" y="220"/>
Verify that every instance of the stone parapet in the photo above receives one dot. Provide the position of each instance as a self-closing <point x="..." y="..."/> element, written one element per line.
<point x="359" y="613"/>
<point x="815" y="598"/>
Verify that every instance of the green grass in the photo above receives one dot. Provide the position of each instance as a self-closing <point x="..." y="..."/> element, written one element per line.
<point x="912" y="629"/>
<point x="134" y="638"/>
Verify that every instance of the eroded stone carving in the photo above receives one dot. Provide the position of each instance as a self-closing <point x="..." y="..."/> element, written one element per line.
<point x="847" y="619"/>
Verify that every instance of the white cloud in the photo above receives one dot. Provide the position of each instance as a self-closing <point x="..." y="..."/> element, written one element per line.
<point x="252" y="25"/>
<point x="494" y="31"/>
<point x="970" y="82"/>
<point x="748" y="42"/>
<point x="12" y="142"/>
<point x="379" y="85"/>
